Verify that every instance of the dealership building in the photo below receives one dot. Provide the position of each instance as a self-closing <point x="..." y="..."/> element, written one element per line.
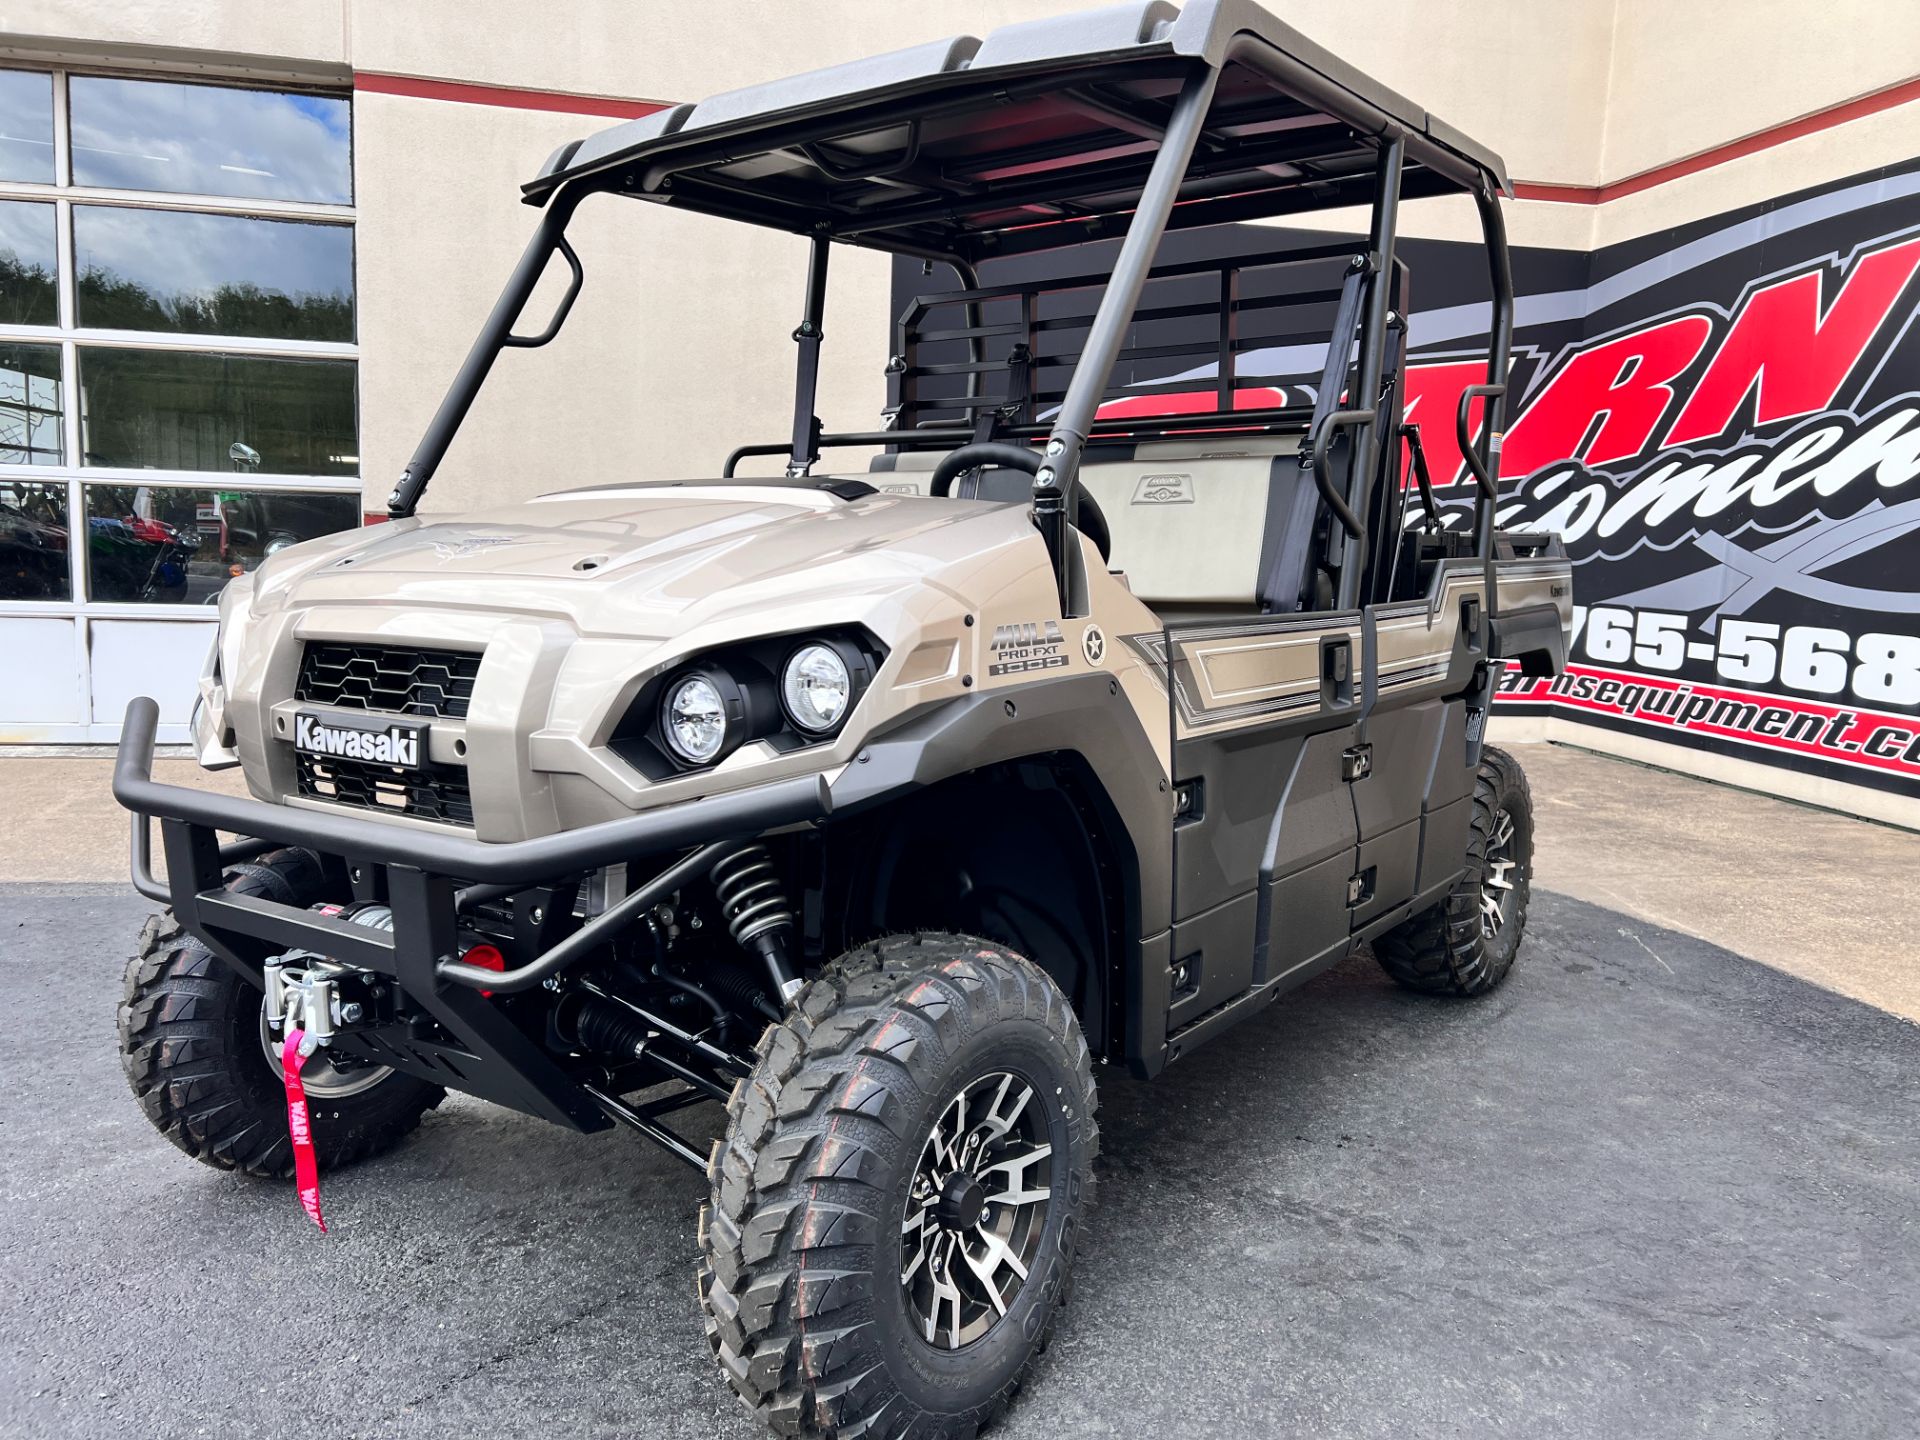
<point x="243" y="248"/>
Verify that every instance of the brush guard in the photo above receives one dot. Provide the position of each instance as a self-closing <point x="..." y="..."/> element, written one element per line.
<point x="475" y="1045"/>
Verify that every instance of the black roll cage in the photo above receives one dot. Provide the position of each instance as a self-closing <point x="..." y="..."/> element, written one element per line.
<point x="1399" y="151"/>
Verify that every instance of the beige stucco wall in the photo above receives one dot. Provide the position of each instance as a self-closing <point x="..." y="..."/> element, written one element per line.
<point x="1886" y="138"/>
<point x="1527" y="77"/>
<point x="314" y="31"/>
<point x="1691" y="74"/>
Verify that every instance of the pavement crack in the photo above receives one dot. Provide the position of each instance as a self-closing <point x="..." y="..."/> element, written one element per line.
<point x="1649" y="949"/>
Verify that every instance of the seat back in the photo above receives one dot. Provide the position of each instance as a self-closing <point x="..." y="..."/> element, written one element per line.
<point x="1217" y="522"/>
<point x="1208" y="523"/>
<point x="914" y="467"/>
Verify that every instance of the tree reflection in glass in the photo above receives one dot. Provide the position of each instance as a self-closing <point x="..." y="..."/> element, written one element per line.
<point x="28" y="265"/>
<point x="249" y="414"/>
<point x="213" y="274"/>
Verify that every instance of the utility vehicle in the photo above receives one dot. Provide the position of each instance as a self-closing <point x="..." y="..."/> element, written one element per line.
<point x="881" y="807"/>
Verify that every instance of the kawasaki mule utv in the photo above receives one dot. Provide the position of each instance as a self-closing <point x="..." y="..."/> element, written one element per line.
<point x="879" y="807"/>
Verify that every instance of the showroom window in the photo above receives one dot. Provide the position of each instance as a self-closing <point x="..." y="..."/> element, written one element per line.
<point x="178" y="373"/>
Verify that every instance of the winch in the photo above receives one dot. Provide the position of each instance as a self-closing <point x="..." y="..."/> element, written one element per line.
<point x="304" y="987"/>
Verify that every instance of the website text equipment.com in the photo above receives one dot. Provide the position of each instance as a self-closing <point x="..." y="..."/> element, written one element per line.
<point x="1870" y="740"/>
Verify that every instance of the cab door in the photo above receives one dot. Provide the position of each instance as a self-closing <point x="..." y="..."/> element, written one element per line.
<point x="1264" y="713"/>
<point x="1418" y="754"/>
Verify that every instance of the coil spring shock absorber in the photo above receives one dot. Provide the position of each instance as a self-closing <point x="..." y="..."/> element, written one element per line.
<point x="754" y="904"/>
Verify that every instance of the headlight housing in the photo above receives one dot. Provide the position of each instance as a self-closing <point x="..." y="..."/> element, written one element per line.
<point x="816" y="687"/>
<point x="694" y="716"/>
<point x="790" y="691"/>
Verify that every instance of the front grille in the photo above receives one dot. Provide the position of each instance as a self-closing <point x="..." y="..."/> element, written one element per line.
<point x="391" y="679"/>
<point x="435" y="792"/>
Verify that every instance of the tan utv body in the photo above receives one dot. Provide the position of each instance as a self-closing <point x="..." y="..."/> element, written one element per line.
<point x="883" y="807"/>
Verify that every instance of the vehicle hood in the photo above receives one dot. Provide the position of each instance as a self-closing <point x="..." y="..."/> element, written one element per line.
<point x="647" y="558"/>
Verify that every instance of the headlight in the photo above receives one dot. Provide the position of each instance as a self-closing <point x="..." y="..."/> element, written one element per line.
<point x="693" y="719"/>
<point x="817" y="688"/>
<point x="783" y="692"/>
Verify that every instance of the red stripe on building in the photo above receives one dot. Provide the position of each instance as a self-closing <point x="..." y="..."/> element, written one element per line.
<point x="1904" y="93"/>
<point x="419" y="87"/>
<point x="1907" y="91"/>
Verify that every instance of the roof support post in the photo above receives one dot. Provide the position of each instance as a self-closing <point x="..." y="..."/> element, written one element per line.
<point x="1493" y="226"/>
<point x="1053" y="484"/>
<point x="494" y="336"/>
<point x="1371" y="365"/>
<point x="806" y="375"/>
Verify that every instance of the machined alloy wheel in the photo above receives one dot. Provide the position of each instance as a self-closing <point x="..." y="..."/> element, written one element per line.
<point x="976" y="1211"/>
<point x="1496" y="880"/>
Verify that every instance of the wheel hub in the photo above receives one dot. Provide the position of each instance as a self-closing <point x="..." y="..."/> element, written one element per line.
<point x="975" y="1210"/>
<point x="963" y="1200"/>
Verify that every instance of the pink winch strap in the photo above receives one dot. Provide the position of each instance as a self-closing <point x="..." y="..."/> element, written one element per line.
<point x="306" y="1169"/>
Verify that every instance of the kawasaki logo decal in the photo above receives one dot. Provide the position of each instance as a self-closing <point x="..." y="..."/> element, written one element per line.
<point x="397" y="744"/>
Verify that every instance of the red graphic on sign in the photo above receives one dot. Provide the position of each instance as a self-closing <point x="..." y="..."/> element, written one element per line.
<point x="1788" y="354"/>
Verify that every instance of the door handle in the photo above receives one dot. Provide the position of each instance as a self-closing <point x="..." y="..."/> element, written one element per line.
<point x="1336" y="671"/>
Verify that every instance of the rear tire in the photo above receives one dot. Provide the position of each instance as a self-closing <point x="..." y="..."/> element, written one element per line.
<point x="191" y="1046"/>
<point x="833" y="1179"/>
<point x="1465" y="944"/>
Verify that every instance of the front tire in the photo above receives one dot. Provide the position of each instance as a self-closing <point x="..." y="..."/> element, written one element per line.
<point x="916" y="1140"/>
<point x="1465" y="944"/>
<point x="195" y="1051"/>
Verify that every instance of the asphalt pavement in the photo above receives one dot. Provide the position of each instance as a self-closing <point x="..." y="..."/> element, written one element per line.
<point x="1647" y="1189"/>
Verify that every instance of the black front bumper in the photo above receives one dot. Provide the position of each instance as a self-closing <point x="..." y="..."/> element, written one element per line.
<point x="473" y="1044"/>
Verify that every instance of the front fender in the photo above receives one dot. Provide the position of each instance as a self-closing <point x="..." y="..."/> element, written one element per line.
<point x="1085" y="716"/>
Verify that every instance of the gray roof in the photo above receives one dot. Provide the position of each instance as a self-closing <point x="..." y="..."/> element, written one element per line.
<point x="960" y="146"/>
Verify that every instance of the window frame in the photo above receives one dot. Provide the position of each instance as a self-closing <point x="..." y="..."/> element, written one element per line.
<point x="70" y="338"/>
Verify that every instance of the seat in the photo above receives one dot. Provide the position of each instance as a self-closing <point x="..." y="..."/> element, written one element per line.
<point x="1218" y="525"/>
